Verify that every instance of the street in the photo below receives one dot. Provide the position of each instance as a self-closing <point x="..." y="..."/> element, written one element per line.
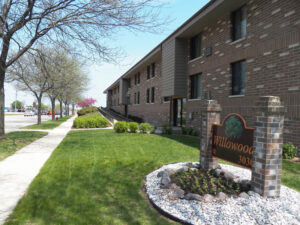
<point x="13" y="123"/>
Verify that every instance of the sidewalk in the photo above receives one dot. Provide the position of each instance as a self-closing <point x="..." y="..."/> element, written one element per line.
<point x="18" y="170"/>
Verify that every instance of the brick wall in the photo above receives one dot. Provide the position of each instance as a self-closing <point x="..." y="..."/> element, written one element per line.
<point x="271" y="50"/>
<point x="156" y="113"/>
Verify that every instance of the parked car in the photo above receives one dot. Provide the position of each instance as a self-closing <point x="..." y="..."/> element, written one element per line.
<point x="28" y="113"/>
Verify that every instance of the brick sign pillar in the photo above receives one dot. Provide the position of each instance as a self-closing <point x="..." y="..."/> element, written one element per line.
<point x="210" y="113"/>
<point x="267" y="157"/>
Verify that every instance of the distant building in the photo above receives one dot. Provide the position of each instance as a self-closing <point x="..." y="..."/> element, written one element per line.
<point x="231" y="50"/>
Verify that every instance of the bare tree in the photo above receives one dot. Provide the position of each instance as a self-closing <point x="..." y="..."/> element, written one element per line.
<point x="31" y="74"/>
<point x="85" y="23"/>
<point x="65" y="76"/>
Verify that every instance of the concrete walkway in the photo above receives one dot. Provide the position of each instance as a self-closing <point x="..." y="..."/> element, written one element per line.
<point x="18" y="170"/>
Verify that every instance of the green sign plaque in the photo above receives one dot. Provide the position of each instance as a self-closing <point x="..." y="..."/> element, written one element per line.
<point x="233" y="140"/>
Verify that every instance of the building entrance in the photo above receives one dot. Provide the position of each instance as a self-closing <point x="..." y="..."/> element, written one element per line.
<point x="179" y="112"/>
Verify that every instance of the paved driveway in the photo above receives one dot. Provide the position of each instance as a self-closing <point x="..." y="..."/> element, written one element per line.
<point x="13" y="123"/>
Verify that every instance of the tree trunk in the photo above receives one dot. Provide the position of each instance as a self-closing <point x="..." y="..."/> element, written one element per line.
<point x="65" y="109"/>
<point x="39" y="110"/>
<point x="53" y="107"/>
<point x="73" y="109"/>
<point x="68" y="112"/>
<point x="4" y="53"/>
<point x="61" y="109"/>
<point x="2" y="104"/>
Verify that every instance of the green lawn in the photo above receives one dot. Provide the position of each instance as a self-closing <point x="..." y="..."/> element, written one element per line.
<point x="91" y="115"/>
<point x="47" y="125"/>
<point x="16" y="140"/>
<point x="291" y="174"/>
<point x="97" y="177"/>
<point x="14" y="114"/>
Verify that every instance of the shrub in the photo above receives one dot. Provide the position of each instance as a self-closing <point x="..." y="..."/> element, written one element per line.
<point x="121" y="127"/>
<point x="145" y="128"/>
<point x="133" y="127"/>
<point x="203" y="182"/>
<point x="90" y="122"/>
<point x="166" y="129"/>
<point x="101" y="122"/>
<point x="183" y="130"/>
<point x="189" y="131"/>
<point x="87" y="110"/>
<point x="195" y="133"/>
<point x="152" y="130"/>
<point x="289" y="150"/>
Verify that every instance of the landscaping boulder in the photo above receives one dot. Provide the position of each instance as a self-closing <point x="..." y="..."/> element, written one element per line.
<point x="252" y="193"/>
<point x="192" y="196"/>
<point x="174" y="186"/>
<point x="208" y="198"/>
<point x="229" y="176"/>
<point x="222" y="196"/>
<point x="162" y="173"/>
<point x="165" y="182"/>
<point x="182" y="169"/>
<point x="218" y="171"/>
<point x="243" y="195"/>
<point x="176" y="193"/>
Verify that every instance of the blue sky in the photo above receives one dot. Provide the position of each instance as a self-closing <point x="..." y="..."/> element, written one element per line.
<point x="136" y="45"/>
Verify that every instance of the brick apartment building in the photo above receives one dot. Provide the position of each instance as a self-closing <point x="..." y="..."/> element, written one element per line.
<point x="232" y="51"/>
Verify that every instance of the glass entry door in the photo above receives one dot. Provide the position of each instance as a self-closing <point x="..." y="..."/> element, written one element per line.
<point x="179" y="112"/>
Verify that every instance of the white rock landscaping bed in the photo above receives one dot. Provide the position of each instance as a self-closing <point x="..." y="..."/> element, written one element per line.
<point x="253" y="209"/>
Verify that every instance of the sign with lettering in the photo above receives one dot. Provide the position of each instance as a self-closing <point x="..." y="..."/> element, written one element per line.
<point x="233" y="140"/>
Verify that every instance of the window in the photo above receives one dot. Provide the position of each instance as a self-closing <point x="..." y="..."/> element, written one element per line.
<point x="148" y="72"/>
<point x="238" y="77"/>
<point x="195" y="46"/>
<point x="148" y="95"/>
<point x="167" y="99"/>
<point x="196" y="86"/>
<point x="135" y="79"/>
<point x="152" y="94"/>
<point x="134" y="98"/>
<point x="153" y="69"/>
<point x="238" y="21"/>
<point x="138" y="98"/>
<point x="138" y="77"/>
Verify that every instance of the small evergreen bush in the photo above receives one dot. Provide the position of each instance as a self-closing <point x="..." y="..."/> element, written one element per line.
<point x="101" y="122"/>
<point x="152" y="130"/>
<point x="133" y="127"/>
<point x="195" y="133"/>
<point x="166" y="129"/>
<point x="121" y="127"/>
<point x="87" y="110"/>
<point x="183" y="130"/>
<point x="145" y="128"/>
<point x="90" y="122"/>
<point x="289" y="150"/>
<point x="189" y="131"/>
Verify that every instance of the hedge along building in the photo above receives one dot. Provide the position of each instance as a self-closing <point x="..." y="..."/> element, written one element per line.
<point x="232" y="51"/>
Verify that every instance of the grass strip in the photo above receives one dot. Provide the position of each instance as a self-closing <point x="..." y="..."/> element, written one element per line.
<point x="16" y="140"/>
<point x="49" y="124"/>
